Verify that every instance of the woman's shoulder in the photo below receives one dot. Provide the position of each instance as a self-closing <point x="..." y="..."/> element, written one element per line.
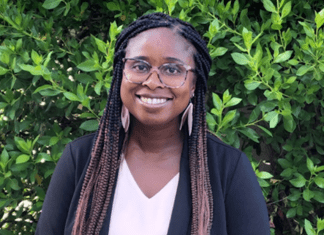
<point x="80" y="150"/>
<point x="222" y="157"/>
<point x="216" y="145"/>
<point x="83" y="141"/>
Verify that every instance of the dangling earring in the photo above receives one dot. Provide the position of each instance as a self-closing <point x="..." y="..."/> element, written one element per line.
<point x="187" y="114"/>
<point x="125" y="118"/>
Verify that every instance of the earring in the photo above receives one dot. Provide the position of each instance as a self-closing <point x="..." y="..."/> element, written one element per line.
<point x="125" y="118"/>
<point x="187" y="114"/>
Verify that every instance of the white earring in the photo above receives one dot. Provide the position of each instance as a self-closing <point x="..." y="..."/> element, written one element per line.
<point x="125" y="118"/>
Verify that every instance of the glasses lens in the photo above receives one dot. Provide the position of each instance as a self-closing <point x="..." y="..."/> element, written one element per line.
<point x="136" y="70"/>
<point x="173" y="74"/>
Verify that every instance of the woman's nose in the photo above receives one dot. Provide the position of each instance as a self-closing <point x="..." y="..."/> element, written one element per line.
<point x="153" y="81"/>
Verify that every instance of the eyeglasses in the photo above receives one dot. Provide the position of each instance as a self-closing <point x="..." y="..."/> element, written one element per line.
<point x="172" y="75"/>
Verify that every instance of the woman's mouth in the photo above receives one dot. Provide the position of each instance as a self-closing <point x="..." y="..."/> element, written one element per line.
<point x="153" y="100"/>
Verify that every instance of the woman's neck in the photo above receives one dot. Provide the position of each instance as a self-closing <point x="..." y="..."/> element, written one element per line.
<point x="157" y="141"/>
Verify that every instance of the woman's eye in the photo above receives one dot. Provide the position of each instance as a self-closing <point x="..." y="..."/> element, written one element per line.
<point x="140" y="67"/>
<point x="172" y="70"/>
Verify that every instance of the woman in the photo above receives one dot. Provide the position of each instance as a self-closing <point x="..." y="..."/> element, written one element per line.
<point x="153" y="168"/>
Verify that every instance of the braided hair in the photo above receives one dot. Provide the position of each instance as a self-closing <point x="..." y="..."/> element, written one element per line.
<point x="101" y="173"/>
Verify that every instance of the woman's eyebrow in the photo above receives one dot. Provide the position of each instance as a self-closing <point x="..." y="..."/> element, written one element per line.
<point x="173" y="59"/>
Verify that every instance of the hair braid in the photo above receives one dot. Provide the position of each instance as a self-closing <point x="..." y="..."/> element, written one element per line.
<point x="101" y="173"/>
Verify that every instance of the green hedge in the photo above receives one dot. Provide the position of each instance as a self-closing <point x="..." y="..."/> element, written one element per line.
<point x="265" y="93"/>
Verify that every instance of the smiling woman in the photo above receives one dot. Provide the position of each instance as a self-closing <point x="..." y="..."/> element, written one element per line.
<point x="152" y="168"/>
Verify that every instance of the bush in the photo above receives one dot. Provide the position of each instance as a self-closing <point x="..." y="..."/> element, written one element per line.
<point x="265" y="93"/>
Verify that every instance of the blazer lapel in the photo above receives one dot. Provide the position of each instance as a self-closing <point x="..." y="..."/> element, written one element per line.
<point x="181" y="214"/>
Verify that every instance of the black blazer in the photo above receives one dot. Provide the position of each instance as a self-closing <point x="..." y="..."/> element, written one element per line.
<point x="239" y="206"/>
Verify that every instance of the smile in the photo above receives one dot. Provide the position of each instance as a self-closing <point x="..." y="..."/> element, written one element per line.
<point x="153" y="100"/>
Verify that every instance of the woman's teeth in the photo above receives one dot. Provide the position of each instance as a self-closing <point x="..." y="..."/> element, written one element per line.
<point x="153" y="100"/>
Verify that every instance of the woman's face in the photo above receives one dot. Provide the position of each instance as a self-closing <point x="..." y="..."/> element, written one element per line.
<point x="158" y="46"/>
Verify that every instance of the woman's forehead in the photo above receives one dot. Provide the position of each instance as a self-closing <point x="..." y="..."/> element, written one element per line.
<point x="164" y="42"/>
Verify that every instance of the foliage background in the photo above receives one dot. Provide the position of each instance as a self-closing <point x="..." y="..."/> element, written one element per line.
<point x="265" y="93"/>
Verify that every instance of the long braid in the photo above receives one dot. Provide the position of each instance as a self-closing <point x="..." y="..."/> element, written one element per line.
<point x="101" y="173"/>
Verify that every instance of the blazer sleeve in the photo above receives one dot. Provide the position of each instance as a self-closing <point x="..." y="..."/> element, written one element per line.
<point x="58" y="196"/>
<point x="246" y="211"/>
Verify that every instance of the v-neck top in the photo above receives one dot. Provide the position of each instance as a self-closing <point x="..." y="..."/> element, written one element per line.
<point x="134" y="213"/>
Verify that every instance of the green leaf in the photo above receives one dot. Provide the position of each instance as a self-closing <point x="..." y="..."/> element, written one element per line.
<point x="319" y="19"/>
<point x="265" y="130"/>
<point x="3" y="71"/>
<point x="294" y="196"/>
<point x="289" y="123"/>
<point x="320" y="224"/>
<point x="210" y="121"/>
<point x="267" y="106"/>
<point x="44" y="87"/>
<point x="49" y="92"/>
<point x="240" y="58"/>
<point x="217" y="102"/>
<point x="3" y="105"/>
<point x="51" y="4"/>
<point x="319" y="196"/>
<point x="42" y="157"/>
<point x="303" y="69"/>
<point x="4" y="156"/>
<point x="13" y="183"/>
<point x="284" y="163"/>
<point x="48" y="58"/>
<point x="236" y="7"/>
<point x="308" y="194"/>
<point x="299" y="181"/>
<point x="36" y="58"/>
<point x="251" y="85"/>
<point x="264" y="175"/>
<point x="90" y="125"/>
<point x="234" y="101"/>
<point x="287" y="172"/>
<point x="22" y="158"/>
<point x="247" y="37"/>
<point x="291" y="213"/>
<point x="228" y="117"/>
<point x="213" y="28"/>
<point x="219" y="51"/>
<point x="226" y="96"/>
<point x="263" y="183"/>
<point x="291" y="80"/>
<point x="71" y="96"/>
<point x="283" y="57"/>
<point x="34" y="70"/>
<point x="309" y="229"/>
<point x="89" y="65"/>
<point x="101" y="45"/>
<point x="286" y="9"/>
<point x="268" y="5"/>
<point x="250" y="133"/>
<point x="319" y="181"/>
<point x="273" y="118"/>
<point x="293" y="62"/>
<point x="22" y="145"/>
<point x="67" y="8"/>
<point x="318" y="169"/>
<point x="308" y="30"/>
<point x="310" y="165"/>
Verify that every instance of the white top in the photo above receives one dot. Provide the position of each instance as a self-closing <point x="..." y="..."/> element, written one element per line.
<point x="135" y="214"/>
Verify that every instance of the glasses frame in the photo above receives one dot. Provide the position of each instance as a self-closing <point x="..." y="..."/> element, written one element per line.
<point x="157" y="69"/>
